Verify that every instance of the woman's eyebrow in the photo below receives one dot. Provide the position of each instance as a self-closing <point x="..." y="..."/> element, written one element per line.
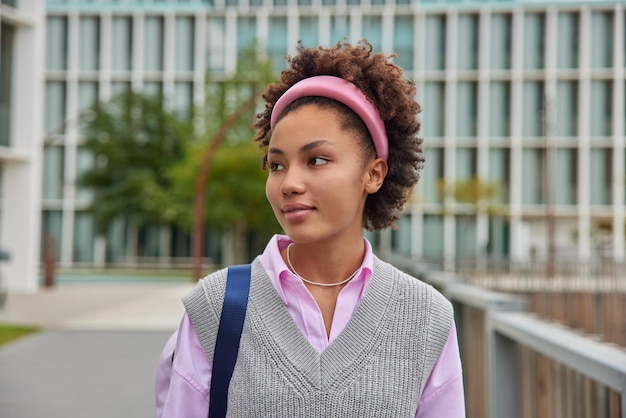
<point x="304" y="148"/>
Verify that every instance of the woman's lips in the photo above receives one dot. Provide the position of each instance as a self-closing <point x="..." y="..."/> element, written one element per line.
<point x="296" y="212"/>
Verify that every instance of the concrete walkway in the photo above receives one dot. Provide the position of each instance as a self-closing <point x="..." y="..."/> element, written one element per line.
<point x="97" y="353"/>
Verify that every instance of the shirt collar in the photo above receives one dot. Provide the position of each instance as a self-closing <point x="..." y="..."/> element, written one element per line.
<point x="278" y="272"/>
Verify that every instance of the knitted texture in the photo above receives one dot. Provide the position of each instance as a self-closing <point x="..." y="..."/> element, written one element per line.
<point x="376" y="367"/>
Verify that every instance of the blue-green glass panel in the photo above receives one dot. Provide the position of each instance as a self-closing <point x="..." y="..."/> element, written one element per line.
<point x="309" y="31"/>
<point x="403" y="33"/>
<point x="84" y="238"/>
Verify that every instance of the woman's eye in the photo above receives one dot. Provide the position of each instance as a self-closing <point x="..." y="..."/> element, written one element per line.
<point x="275" y="166"/>
<point x="316" y="161"/>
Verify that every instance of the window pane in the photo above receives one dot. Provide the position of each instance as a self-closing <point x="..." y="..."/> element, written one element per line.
<point x="55" y="107"/>
<point x="501" y="41"/>
<point x="600" y="168"/>
<point x="433" y="109"/>
<point x="116" y="242"/>
<point x="84" y="238"/>
<point x="401" y="237"/>
<point x="51" y="227"/>
<point x="183" y="98"/>
<point x="468" y="42"/>
<point x="602" y="39"/>
<point x="467" y="108"/>
<point x="246" y="34"/>
<point x="601" y="108"/>
<point x="433" y="237"/>
<point x="533" y="108"/>
<point x="56" y="43"/>
<point x="403" y="41"/>
<point x="339" y="28"/>
<point x="566" y="108"/>
<point x="432" y="175"/>
<point x="373" y="31"/>
<point x="277" y="42"/>
<point x="153" y="46"/>
<point x="215" y="44"/>
<point x="565" y="176"/>
<point x="465" y="236"/>
<point x="532" y="176"/>
<point x="184" y="44"/>
<point x="53" y="167"/>
<point x="499" y="165"/>
<point x="435" y="42"/>
<point x="534" y="40"/>
<point x="309" y="31"/>
<point x="87" y="95"/>
<point x="123" y="41"/>
<point x="500" y="108"/>
<point x="465" y="163"/>
<point x="89" y="43"/>
<point x="6" y="82"/>
<point x="568" y="33"/>
<point x="84" y="161"/>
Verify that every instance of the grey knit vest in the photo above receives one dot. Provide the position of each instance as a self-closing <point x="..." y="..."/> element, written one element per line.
<point x="376" y="367"/>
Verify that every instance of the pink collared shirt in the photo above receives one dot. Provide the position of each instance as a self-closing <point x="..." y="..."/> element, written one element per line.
<point x="187" y="394"/>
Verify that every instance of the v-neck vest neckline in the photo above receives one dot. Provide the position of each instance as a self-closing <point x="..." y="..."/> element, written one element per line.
<point x="352" y="345"/>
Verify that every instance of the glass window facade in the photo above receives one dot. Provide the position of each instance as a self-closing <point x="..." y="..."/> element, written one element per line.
<point x="467" y="45"/>
<point x="56" y="43"/>
<point x="121" y="55"/>
<point x="565" y="176"/>
<point x="53" y="169"/>
<point x="55" y="108"/>
<point x="601" y="109"/>
<point x="533" y="109"/>
<point x="277" y="42"/>
<point x="600" y="169"/>
<point x="153" y="49"/>
<point x="433" y="237"/>
<point x="184" y="44"/>
<point x="6" y="82"/>
<point x="215" y="41"/>
<point x="501" y="41"/>
<point x="84" y="238"/>
<point x="432" y="175"/>
<point x="499" y="108"/>
<point x="568" y="39"/>
<point x="89" y="43"/>
<point x="403" y="32"/>
<point x="499" y="172"/>
<point x="534" y="40"/>
<point x="435" y="45"/>
<point x="602" y="39"/>
<point x="373" y="26"/>
<point x="433" y="109"/>
<point x="566" y="123"/>
<point x="465" y="163"/>
<point x="533" y="169"/>
<point x="467" y="108"/>
<point x="309" y="30"/>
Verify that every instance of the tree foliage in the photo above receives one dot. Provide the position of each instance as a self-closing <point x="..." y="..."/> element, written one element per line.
<point x="135" y="141"/>
<point x="147" y="158"/>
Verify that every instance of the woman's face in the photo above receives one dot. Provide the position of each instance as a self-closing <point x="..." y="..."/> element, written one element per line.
<point x="318" y="183"/>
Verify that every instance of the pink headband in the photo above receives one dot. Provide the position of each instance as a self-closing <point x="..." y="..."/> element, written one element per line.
<point x="344" y="92"/>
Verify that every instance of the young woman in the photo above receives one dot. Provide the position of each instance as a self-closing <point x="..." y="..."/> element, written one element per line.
<point x="330" y="329"/>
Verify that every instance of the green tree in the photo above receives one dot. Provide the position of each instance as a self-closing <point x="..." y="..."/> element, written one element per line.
<point x="152" y="166"/>
<point x="134" y="141"/>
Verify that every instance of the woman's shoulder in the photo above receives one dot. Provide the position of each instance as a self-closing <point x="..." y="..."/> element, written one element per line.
<point x="411" y="285"/>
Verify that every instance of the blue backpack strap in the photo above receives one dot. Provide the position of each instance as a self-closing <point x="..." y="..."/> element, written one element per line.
<point x="228" y="337"/>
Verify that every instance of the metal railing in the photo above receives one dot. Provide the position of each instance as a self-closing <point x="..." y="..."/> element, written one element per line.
<point x="517" y="365"/>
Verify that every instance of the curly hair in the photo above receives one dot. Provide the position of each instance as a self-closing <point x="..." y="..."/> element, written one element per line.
<point x="383" y="84"/>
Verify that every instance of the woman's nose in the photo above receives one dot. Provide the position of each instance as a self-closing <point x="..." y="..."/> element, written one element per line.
<point x="292" y="182"/>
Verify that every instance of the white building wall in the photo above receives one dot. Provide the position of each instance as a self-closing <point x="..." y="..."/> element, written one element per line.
<point x="22" y="160"/>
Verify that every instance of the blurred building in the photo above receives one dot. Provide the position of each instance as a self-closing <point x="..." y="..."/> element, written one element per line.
<point x="523" y="101"/>
<point x="22" y="25"/>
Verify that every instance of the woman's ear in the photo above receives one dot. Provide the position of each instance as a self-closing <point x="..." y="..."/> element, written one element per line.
<point x="376" y="172"/>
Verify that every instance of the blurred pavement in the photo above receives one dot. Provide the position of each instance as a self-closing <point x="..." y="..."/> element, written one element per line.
<point x="97" y="353"/>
